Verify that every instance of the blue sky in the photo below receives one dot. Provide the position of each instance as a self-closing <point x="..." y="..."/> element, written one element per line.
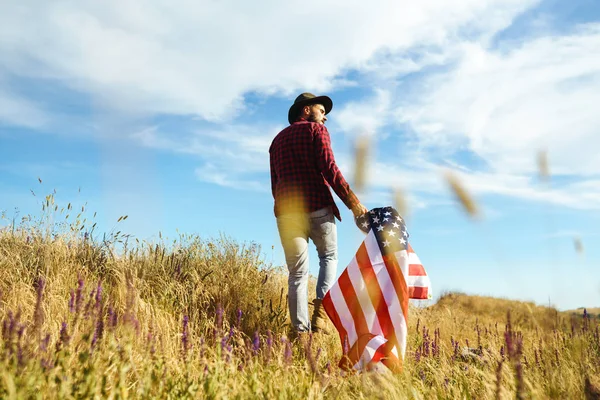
<point x="164" y="111"/>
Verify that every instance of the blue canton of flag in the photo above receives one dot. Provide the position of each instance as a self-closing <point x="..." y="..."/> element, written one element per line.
<point x="388" y="227"/>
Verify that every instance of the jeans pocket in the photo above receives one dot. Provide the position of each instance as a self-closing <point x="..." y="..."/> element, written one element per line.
<point x="322" y="226"/>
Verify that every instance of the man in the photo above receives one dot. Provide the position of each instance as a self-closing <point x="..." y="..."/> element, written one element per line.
<point x="302" y="170"/>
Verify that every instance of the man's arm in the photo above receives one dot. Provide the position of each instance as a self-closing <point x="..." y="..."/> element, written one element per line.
<point x="273" y="175"/>
<point x="332" y="174"/>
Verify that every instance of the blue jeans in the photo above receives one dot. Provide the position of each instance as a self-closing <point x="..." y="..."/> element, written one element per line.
<point x="294" y="232"/>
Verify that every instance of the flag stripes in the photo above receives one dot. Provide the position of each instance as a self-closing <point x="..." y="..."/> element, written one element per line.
<point x="368" y="304"/>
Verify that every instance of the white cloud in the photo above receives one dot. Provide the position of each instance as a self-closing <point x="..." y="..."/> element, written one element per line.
<point x="365" y="117"/>
<point x="424" y="185"/>
<point x="505" y="106"/>
<point x="571" y="234"/>
<point x="220" y="176"/>
<point x="18" y="111"/>
<point x="200" y="58"/>
<point x="231" y="155"/>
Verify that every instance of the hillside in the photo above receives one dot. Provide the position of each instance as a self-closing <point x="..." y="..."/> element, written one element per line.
<point x="207" y="318"/>
<point x="591" y="311"/>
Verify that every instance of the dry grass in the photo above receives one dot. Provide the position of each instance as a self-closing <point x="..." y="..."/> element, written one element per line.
<point x="111" y="317"/>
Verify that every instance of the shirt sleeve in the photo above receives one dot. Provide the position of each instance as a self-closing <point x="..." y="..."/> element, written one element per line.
<point x="329" y="169"/>
<point x="273" y="176"/>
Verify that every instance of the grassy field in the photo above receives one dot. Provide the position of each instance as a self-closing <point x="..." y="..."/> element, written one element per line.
<point x="110" y="317"/>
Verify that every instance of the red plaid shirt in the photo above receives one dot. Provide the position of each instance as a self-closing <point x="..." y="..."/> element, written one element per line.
<point x="303" y="168"/>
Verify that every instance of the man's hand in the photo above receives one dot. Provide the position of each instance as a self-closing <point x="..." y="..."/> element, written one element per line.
<point x="359" y="210"/>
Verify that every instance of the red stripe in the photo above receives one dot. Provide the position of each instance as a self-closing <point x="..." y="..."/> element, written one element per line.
<point x="418" y="292"/>
<point x="375" y="294"/>
<point x="390" y="360"/>
<point x="416" y="270"/>
<point x="357" y="350"/>
<point x="400" y="286"/>
<point x="360" y="323"/>
<point x="334" y="317"/>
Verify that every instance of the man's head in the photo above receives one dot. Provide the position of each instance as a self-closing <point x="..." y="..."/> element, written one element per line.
<point x="313" y="113"/>
<point x="310" y="107"/>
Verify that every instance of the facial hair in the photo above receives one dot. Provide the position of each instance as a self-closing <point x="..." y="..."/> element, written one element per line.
<point x="313" y="117"/>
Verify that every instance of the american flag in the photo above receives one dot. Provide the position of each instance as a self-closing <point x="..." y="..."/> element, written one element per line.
<point x="368" y="304"/>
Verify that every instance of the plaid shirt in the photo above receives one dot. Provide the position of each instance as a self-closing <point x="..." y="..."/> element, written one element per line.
<point x="303" y="168"/>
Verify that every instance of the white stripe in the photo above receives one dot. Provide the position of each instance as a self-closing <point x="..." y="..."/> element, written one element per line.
<point x="413" y="258"/>
<point x="389" y="293"/>
<point x="402" y="257"/>
<point x="418" y="281"/>
<point x="364" y="300"/>
<point x="369" y="351"/>
<point x="337" y="298"/>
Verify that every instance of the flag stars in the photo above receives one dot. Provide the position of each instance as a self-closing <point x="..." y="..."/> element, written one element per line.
<point x="365" y="224"/>
<point x="376" y="220"/>
<point x="396" y="225"/>
<point x="379" y="228"/>
<point x="386" y="243"/>
<point x="391" y="233"/>
<point x="405" y="233"/>
<point x="387" y="213"/>
<point x="402" y="240"/>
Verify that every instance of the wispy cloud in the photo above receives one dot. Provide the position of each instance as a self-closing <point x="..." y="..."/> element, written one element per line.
<point x="190" y="58"/>
<point x="18" y="111"/>
<point x="233" y="156"/>
<point x="504" y="106"/>
<point x="235" y="180"/>
<point x="365" y="117"/>
<point x="571" y="234"/>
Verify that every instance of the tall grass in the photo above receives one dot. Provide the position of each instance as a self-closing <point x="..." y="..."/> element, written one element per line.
<point x="85" y="316"/>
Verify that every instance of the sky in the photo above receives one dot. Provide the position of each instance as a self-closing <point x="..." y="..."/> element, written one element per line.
<point x="164" y="111"/>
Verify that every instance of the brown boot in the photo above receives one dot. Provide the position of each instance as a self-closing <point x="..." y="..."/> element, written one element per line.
<point x="319" y="320"/>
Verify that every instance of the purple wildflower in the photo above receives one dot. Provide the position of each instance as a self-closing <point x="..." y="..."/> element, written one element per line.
<point x="255" y="343"/>
<point x="111" y="317"/>
<point x="287" y="352"/>
<point x="224" y="343"/>
<point x="8" y="327"/>
<point x="79" y="295"/>
<point x="44" y="342"/>
<point x="72" y="302"/>
<point x="238" y="318"/>
<point x="64" y="337"/>
<point x="219" y="315"/>
<point x="98" y="331"/>
<point x="319" y="351"/>
<point x="201" y="346"/>
<point x="99" y="297"/>
<point x="269" y="344"/>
